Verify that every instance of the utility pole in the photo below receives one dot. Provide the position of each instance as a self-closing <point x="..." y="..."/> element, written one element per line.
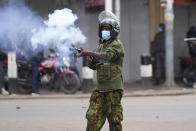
<point x="108" y="5"/>
<point x="117" y="9"/>
<point x="169" y="20"/>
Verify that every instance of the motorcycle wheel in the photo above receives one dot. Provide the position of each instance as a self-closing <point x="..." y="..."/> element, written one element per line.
<point x="187" y="77"/>
<point x="69" y="83"/>
<point x="24" y="89"/>
<point x="24" y="86"/>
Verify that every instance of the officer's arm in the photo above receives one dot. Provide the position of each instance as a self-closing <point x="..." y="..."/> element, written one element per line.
<point x="111" y="53"/>
<point x="90" y="53"/>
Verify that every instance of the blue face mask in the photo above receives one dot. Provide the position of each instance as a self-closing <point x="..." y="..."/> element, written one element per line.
<point x="160" y="29"/>
<point x="105" y="35"/>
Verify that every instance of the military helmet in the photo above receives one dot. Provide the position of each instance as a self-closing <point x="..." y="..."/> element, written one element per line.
<point x="107" y="18"/>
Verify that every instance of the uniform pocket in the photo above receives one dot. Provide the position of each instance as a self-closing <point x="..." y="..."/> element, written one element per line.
<point x="116" y="111"/>
<point x="115" y="72"/>
<point x="104" y="73"/>
<point x="108" y="72"/>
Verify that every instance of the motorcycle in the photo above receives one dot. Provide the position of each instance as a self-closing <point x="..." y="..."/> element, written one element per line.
<point x="188" y="67"/>
<point x="52" y="74"/>
<point x="187" y="71"/>
<point x="56" y="75"/>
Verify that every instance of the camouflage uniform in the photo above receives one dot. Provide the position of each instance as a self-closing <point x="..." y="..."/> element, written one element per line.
<point x="102" y="105"/>
<point x="105" y="101"/>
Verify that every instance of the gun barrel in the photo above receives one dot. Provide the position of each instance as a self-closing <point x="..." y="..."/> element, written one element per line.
<point x="79" y="50"/>
<point x="76" y="49"/>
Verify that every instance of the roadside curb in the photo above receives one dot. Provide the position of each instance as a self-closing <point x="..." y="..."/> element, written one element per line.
<point x="128" y="93"/>
<point x="164" y="93"/>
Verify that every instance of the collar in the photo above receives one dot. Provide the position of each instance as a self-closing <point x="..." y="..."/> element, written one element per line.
<point x="107" y="42"/>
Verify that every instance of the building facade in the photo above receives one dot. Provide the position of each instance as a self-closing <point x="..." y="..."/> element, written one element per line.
<point x="139" y="21"/>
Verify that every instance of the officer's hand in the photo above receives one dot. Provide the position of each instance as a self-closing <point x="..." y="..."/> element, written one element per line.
<point x="89" y="53"/>
<point x="83" y="52"/>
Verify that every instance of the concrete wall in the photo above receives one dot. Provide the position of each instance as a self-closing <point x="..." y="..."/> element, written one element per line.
<point x="134" y="35"/>
<point x="180" y="29"/>
<point x="193" y="14"/>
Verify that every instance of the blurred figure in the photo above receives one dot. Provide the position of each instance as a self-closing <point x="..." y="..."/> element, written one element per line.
<point x="191" y="45"/>
<point x="73" y="61"/>
<point x="158" y="55"/>
<point x="36" y="60"/>
<point x="2" y="74"/>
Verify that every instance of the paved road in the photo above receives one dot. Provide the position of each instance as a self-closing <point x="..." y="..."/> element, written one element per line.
<point x="166" y="113"/>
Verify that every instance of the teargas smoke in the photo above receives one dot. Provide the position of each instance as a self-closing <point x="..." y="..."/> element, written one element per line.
<point x="16" y="24"/>
<point x="60" y="31"/>
<point x="22" y="29"/>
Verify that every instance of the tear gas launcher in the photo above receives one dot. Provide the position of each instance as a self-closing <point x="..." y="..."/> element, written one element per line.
<point x="75" y="49"/>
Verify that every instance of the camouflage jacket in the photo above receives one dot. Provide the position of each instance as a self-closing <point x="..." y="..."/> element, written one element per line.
<point x="109" y="66"/>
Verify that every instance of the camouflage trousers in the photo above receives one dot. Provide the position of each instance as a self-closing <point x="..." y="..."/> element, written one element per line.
<point x="105" y="105"/>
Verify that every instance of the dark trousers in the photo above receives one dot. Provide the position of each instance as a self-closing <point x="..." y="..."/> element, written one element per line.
<point x="35" y="76"/>
<point x="1" y="77"/>
<point x="159" y="67"/>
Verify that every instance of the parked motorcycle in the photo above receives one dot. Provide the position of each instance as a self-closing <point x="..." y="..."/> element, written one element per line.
<point x="52" y="74"/>
<point x="58" y="76"/>
<point x="188" y="71"/>
<point x="188" y="66"/>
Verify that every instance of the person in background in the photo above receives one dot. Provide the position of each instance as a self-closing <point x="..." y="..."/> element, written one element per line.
<point x="73" y="61"/>
<point x="158" y="55"/>
<point x="36" y="60"/>
<point x="105" y="101"/>
<point x="2" y="74"/>
<point x="192" y="46"/>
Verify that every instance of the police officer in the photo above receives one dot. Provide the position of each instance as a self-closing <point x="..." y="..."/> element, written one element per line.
<point x="158" y="55"/>
<point x="105" y="101"/>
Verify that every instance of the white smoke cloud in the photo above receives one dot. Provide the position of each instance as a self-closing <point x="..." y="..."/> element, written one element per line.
<point x="16" y="23"/>
<point x="59" y="29"/>
<point x="23" y="29"/>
